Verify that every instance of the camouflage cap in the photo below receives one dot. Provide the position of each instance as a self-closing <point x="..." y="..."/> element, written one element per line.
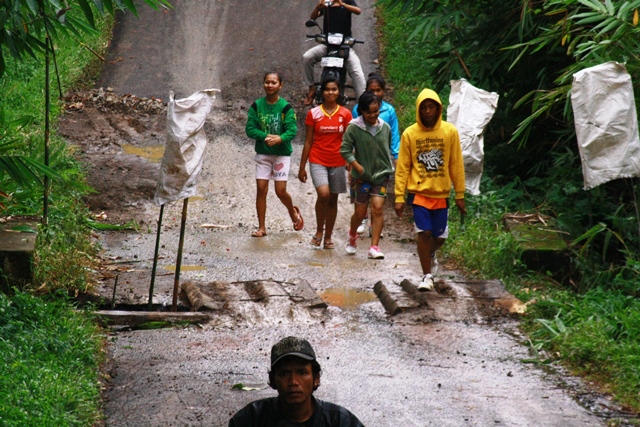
<point x="291" y="346"/>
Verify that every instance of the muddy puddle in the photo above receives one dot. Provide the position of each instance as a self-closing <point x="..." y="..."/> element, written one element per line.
<point x="347" y="298"/>
<point x="152" y="153"/>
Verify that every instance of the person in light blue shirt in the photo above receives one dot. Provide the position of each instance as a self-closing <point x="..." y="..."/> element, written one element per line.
<point x="377" y="85"/>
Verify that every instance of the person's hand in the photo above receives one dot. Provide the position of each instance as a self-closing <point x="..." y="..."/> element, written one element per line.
<point x="399" y="207"/>
<point x="358" y="167"/>
<point x="302" y="175"/>
<point x="461" y="206"/>
<point x="272" y="140"/>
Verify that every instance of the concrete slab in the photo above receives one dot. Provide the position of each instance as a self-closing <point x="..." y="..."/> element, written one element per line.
<point x="17" y="243"/>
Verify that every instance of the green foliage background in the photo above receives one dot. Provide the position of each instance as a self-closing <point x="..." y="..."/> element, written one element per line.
<point x="527" y="51"/>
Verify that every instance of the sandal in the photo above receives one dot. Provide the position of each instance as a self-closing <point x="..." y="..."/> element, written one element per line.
<point x="329" y="245"/>
<point x="258" y="233"/>
<point x="299" y="223"/>
<point x="316" y="241"/>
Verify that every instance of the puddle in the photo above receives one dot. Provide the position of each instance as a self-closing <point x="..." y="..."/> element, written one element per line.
<point x="315" y="264"/>
<point x="152" y="153"/>
<point x="346" y="298"/>
<point x="185" y="267"/>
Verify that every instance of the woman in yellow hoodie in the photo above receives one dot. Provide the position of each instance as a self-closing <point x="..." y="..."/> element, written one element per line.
<point x="429" y="164"/>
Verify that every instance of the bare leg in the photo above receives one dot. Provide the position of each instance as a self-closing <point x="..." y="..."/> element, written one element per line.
<point x="437" y="243"/>
<point x="359" y="212"/>
<point x="261" y="203"/>
<point x="332" y="213"/>
<point x="425" y="247"/>
<point x="321" y="209"/>
<point x="285" y="198"/>
<point x="377" y="219"/>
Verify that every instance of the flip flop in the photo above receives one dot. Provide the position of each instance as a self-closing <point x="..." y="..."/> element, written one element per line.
<point x="299" y="224"/>
<point x="329" y="245"/>
<point x="316" y="241"/>
<point x="258" y="233"/>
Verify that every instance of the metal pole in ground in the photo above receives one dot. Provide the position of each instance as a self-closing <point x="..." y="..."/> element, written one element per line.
<point x="176" y="281"/>
<point x="155" y="259"/>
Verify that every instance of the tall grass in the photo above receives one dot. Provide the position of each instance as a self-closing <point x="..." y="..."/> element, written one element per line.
<point x="50" y="354"/>
<point x="595" y="333"/>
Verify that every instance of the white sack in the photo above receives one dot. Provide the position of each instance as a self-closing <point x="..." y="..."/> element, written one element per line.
<point x="184" y="150"/>
<point x="606" y="123"/>
<point x="470" y="110"/>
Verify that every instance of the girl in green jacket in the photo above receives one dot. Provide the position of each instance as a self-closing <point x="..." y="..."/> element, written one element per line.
<point x="271" y="122"/>
<point x="365" y="147"/>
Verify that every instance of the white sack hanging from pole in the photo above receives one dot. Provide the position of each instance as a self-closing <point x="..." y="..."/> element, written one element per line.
<point x="470" y="110"/>
<point x="606" y="123"/>
<point x="184" y="150"/>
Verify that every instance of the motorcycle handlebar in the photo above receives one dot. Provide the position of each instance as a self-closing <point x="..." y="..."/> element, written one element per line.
<point x="313" y="36"/>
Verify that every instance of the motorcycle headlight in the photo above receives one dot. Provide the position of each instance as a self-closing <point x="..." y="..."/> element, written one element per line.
<point x="349" y="41"/>
<point x="321" y="38"/>
<point x="335" y="38"/>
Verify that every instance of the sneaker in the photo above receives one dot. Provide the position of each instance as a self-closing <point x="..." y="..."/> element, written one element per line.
<point x="426" y="284"/>
<point x="434" y="264"/>
<point x="362" y="226"/>
<point x="374" y="253"/>
<point x="351" y="244"/>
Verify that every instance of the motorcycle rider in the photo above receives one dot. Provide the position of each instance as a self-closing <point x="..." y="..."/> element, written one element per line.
<point x="337" y="19"/>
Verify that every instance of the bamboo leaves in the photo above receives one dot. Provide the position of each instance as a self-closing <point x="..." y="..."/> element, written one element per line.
<point x="24" y="22"/>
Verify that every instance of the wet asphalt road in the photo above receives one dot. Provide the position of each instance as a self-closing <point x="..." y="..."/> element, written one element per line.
<point x="448" y="365"/>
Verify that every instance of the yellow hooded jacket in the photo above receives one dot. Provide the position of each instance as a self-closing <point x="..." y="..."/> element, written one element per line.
<point x="429" y="161"/>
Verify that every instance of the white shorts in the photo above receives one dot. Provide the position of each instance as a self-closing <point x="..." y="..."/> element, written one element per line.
<point x="272" y="167"/>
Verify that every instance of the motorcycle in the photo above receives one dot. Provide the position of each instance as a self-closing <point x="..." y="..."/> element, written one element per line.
<point x="334" y="61"/>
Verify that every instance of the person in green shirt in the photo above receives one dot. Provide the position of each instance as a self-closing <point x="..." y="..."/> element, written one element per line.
<point x="271" y="121"/>
<point x="365" y="147"/>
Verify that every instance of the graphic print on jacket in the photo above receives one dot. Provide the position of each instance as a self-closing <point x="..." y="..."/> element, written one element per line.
<point x="431" y="156"/>
<point x="271" y="123"/>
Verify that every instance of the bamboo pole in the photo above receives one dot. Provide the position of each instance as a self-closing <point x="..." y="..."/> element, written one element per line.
<point x="155" y="258"/>
<point x="176" y="281"/>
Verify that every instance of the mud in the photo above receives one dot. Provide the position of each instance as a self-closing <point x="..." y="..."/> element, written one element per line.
<point x="448" y="358"/>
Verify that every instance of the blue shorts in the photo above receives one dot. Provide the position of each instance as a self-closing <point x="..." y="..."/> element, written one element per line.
<point x="433" y="220"/>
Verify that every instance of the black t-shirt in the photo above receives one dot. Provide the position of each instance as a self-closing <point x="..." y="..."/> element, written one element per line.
<point x="265" y="413"/>
<point x="338" y="19"/>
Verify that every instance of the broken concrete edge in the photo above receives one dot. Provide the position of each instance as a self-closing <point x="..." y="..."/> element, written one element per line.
<point x="495" y="291"/>
<point x="300" y="288"/>
<point x="17" y="244"/>
<point x="135" y="318"/>
<point x="197" y="299"/>
<point x="386" y="299"/>
<point x="410" y="288"/>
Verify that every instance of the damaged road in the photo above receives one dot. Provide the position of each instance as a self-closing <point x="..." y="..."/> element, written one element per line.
<point x="390" y="355"/>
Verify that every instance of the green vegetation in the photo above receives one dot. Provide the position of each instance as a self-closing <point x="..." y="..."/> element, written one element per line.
<point x="49" y="370"/>
<point x="64" y="250"/>
<point x="527" y="52"/>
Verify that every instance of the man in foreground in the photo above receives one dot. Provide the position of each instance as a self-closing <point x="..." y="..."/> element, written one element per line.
<point x="429" y="163"/>
<point x="295" y="374"/>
